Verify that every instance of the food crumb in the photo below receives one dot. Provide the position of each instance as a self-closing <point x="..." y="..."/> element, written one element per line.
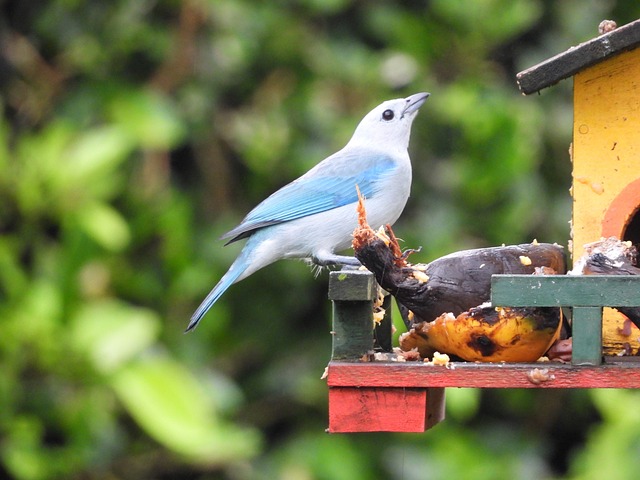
<point x="421" y="277"/>
<point x="382" y="235"/>
<point x="540" y="375"/>
<point x="625" y="331"/>
<point x="524" y="260"/>
<point x="378" y="315"/>
<point x="439" y="360"/>
<point x="410" y="355"/>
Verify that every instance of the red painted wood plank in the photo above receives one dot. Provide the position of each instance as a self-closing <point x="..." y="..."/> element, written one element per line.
<point x="377" y="409"/>
<point x="483" y="375"/>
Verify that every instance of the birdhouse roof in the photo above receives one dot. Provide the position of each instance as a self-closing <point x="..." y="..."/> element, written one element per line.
<point x="576" y="59"/>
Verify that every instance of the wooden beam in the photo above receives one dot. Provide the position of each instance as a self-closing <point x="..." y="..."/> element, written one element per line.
<point x="377" y="409"/>
<point x="565" y="290"/>
<point x="576" y="59"/>
<point x="483" y="375"/>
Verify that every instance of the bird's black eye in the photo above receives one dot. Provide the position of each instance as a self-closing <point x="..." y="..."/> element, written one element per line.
<point x="388" y="115"/>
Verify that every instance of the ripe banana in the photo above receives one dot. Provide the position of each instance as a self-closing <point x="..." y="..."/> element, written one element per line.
<point x="488" y="334"/>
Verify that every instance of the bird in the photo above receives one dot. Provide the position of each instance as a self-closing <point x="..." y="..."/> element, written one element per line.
<point x="314" y="216"/>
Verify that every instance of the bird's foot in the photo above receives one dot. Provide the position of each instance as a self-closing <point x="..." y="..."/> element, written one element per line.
<point x="327" y="260"/>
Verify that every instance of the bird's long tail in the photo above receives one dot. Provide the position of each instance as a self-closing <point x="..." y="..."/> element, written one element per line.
<point x="237" y="268"/>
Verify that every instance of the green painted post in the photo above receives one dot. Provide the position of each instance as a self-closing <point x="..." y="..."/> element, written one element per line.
<point x="586" y="329"/>
<point x="352" y="293"/>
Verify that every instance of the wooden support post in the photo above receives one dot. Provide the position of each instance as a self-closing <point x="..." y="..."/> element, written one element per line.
<point x="384" y="409"/>
<point x="586" y="328"/>
<point x="377" y="409"/>
<point x="352" y="293"/>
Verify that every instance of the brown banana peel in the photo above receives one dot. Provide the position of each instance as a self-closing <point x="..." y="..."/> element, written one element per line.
<point x="488" y="334"/>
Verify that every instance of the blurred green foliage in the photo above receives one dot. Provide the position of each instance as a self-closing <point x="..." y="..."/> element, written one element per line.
<point x="135" y="132"/>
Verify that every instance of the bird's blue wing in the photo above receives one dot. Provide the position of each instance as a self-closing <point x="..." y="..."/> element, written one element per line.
<point x="331" y="184"/>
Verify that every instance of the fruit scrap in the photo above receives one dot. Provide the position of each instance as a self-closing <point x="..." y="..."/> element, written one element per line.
<point x="626" y="350"/>
<point x="438" y="301"/>
<point x="453" y="283"/>
<point x="378" y="315"/>
<point x="411" y="355"/>
<point x="439" y="360"/>
<point x="625" y="331"/>
<point x="382" y="235"/>
<point x="488" y="334"/>
<point x="611" y="256"/>
<point x="420" y="276"/>
<point x="364" y="235"/>
<point x="524" y="260"/>
<point x="540" y="375"/>
<point x="561" y="351"/>
<point x="378" y="310"/>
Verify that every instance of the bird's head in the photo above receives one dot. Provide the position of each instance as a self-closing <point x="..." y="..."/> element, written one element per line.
<point x="389" y="124"/>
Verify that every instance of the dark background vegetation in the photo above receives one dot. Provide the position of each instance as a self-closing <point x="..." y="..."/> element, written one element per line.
<point x="135" y="132"/>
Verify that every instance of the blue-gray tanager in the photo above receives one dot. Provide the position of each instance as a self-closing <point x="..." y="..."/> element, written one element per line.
<point x="315" y="215"/>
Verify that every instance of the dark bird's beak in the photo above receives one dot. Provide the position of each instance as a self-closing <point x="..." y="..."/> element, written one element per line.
<point x="414" y="102"/>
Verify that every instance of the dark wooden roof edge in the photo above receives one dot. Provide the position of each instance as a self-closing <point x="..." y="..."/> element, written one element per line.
<point x="576" y="59"/>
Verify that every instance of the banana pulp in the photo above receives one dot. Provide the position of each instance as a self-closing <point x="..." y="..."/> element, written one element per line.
<point x="488" y="334"/>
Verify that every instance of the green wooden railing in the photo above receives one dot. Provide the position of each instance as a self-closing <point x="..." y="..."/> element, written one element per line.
<point x="353" y="293"/>
<point x="585" y="295"/>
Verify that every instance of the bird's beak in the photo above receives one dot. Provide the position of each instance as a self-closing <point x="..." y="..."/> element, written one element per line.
<point x="414" y="102"/>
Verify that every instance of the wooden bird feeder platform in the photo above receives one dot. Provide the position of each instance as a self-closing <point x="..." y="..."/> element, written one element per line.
<point x="368" y="395"/>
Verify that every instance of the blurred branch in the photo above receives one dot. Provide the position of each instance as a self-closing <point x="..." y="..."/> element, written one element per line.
<point x="178" y="65"/>
<point x="33" y="92"/>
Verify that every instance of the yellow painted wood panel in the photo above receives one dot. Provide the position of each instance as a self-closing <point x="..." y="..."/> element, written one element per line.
<point x="606" y="141"/>
<point x="606" y="159"/>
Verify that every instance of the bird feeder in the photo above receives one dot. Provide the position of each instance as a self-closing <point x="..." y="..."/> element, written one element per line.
<point x="606" y="144"/>
<point x="366" y="394"/>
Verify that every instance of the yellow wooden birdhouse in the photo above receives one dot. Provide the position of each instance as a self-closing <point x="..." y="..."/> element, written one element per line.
<point x="606" y="144"/>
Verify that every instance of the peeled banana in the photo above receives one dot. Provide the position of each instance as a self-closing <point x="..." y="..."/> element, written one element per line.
<point x="488" y="334"/>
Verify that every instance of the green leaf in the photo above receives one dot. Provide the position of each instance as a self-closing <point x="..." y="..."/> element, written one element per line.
<point x="105" y="225"/>
<point x="4" y="144"/>
<point x="21" y="452"/>
<point x="169" y="403"/>
<point x="463" y="403"/>
<point x="111" y="332"/>
<point x="148" y="117"/>
<point x="497" y="20"/>
<point x="96" y="152"/>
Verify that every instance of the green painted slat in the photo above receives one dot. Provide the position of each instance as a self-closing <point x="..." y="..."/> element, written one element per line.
<point x="587" y="336"/>
<point x="356" y="285"/>
<point x="352" y="293"/>
<point x="565" y="290"/>
<point x="352" y="329"/>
